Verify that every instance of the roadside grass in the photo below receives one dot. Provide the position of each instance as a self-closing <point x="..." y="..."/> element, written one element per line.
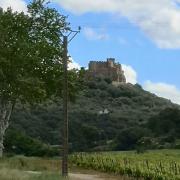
<point x="33" y="168"/>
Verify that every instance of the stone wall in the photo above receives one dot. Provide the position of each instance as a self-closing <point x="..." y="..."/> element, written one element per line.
<point x="107" y="69"/>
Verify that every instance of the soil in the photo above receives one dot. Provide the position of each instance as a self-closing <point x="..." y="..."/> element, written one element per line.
<point x="94" y="175"/>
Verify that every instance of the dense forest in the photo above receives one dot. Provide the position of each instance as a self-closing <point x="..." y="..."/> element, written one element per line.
<point x="102" y="117"/>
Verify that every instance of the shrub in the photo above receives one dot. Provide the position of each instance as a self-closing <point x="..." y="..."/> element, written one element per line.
<point x="19" y="143"/>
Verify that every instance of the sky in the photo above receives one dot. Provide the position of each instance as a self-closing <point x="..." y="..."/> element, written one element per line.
<point x="144" y="36"/>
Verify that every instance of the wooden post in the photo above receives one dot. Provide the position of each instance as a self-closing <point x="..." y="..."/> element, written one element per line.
<point x="65" y="109"/>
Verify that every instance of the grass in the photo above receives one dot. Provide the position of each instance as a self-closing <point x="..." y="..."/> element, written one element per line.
<point x="30" y="168"/>
<point x="23" y="168"/>
<point x="157" y="165"/>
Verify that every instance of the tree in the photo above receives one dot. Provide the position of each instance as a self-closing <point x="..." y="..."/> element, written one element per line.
<point x="166" y="122"/>
<point x="30" y="57"/>
<point x="127" y="139"/>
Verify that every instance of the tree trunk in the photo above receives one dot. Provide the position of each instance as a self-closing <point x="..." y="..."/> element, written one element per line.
<point x="5" y="113"/>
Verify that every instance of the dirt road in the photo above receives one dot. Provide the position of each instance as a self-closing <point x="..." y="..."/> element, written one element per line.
<point x="80" y="176"/>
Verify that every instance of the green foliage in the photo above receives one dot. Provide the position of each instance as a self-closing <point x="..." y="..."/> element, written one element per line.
<point x="18" y="143"/>
<point x="128" y="138"/>
<point x="31" y="59"/>
<point x="85" y="138"/>
<point x="166" y="121"/>
<point x="124" y="124"/>
<point x="31" y="52"/>
<point x="154" y="165"/>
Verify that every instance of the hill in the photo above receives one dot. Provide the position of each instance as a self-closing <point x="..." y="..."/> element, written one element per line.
<point x="103" y="117"/>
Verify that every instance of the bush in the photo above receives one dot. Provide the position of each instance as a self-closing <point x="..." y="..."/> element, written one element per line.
<point x="114" y="92"/>
<point x="19" y="143"/>
<point x="128" y="139"/>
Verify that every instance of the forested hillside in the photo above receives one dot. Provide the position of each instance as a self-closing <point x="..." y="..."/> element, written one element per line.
<point x="103" y="117"/>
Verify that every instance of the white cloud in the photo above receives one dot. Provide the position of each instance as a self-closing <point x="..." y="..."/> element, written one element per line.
<point x="73" y="64"/>
<point x="159" y="19"/>
<point x="91" y="34"/>
<point x="130" y="74"/>
<point x="164" y="90"/>
<point x="16" y="5"/>
<point x="82" y="6"/>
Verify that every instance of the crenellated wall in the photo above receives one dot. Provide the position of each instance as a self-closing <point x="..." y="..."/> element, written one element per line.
<point x="108" y="69"/>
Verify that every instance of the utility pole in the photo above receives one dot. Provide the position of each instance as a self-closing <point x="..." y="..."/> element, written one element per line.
<point x="65" y="109"/>
<point x="71" y="36"/>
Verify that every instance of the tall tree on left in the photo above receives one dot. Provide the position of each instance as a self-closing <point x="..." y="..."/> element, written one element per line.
<point x="30" y="57"/>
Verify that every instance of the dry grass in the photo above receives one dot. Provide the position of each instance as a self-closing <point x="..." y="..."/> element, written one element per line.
<point x="13" y="174"/>
<point x="33" y="164"/>
<point x="23" y="168"/>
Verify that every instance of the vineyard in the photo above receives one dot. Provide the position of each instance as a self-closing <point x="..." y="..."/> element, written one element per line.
<point x="155" y="165"/>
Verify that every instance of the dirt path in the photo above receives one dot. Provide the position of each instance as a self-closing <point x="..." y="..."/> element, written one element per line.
<point x="87" y="175"/>
<point x="81" y="176"/>
<point x="84" y="177"/>
<point x="77" y="173"/>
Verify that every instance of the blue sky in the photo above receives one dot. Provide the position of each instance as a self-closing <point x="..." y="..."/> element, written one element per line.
<point x="142" y="35"/>
<point x="124" y="41"/>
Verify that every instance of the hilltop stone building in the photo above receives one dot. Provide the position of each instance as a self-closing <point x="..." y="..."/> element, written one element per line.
<point x="107" y="69"/>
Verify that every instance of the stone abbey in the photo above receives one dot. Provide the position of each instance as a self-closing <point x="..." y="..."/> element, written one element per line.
<point x="107" y="69"/>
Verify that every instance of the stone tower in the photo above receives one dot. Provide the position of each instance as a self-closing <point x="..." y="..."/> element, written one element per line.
<point x="107" y="69"/>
